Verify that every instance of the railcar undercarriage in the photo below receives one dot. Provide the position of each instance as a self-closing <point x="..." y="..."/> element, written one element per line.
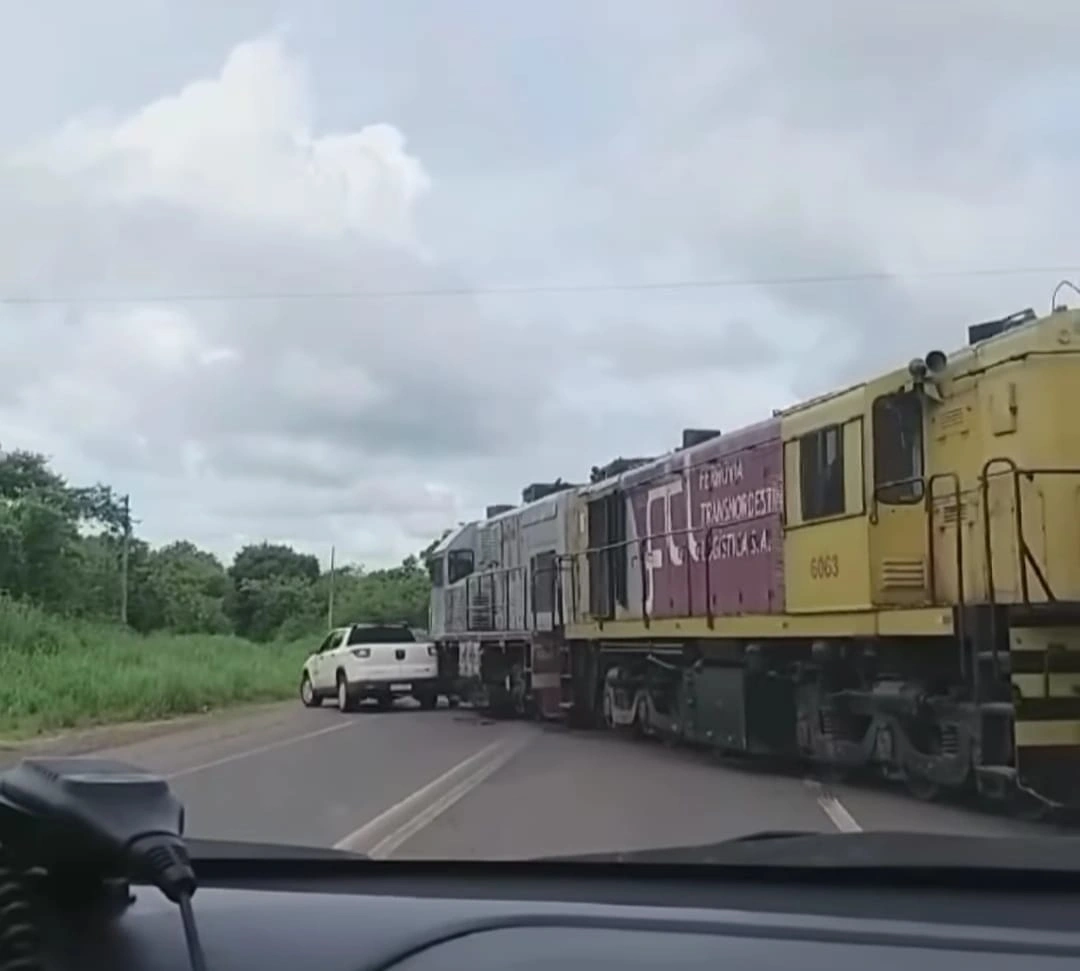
<point x="888" y="709"/>
<point x="831" y="705"/>
<point x="494" y="678"/>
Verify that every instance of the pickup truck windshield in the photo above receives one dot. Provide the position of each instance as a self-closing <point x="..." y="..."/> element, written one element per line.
<point x="381" y="635"/>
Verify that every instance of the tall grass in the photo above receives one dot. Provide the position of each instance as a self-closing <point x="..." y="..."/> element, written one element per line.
<point x="57" y="673"/>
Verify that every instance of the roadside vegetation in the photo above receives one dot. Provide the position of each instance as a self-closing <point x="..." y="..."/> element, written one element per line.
<point x="193" y="635"/>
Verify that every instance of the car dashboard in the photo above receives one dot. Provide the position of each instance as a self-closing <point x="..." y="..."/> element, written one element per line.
<point x="411" y="916"/>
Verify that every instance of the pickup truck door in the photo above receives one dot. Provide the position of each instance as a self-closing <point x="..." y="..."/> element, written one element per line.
<point x="323" y="676"/>
<point x="315" y="662"/>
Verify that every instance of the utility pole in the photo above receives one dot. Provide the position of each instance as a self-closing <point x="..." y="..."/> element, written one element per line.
<point x="124" y="544"/>
<point x="330" y="599"/>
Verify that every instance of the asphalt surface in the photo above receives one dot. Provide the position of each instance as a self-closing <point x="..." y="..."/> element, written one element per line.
<point x="450" y="784"/>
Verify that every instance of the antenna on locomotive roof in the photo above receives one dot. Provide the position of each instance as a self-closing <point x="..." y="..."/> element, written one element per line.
<point x="1054" y="305"/>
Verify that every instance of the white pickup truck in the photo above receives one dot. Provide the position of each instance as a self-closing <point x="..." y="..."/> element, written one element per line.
<point x="380" y="661"/>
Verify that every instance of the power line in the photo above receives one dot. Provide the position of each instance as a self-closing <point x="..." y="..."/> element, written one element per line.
<point x="542" y="288"/>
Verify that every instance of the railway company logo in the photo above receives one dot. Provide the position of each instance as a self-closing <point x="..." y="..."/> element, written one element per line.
<point x="722" y="511"/>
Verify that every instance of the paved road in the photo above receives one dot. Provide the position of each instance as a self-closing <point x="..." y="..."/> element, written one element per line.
<point x="409" y="783"/>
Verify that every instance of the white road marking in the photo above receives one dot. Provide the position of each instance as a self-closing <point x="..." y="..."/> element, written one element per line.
<point x="424" y="806"/>
<point x="268" y="747"/>
<point x="833" y="808"/>
<point x="385" y="847"/>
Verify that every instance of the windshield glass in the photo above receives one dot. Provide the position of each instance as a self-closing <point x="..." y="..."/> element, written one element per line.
<point x="500" y="430"/>
<point x="375" y="634"/>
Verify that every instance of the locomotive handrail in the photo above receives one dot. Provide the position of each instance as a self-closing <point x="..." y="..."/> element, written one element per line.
<point x="575" y="577"/>
<point x="1027" y="559"/>
<point x="561" y="560"/>
<point x="642" y="542"/>
<point x="555" y="573"/>
<point x="529" y="608"/>
<point x="957" y="496"/>
<point x="477" y="578"/>
<point x="988" y="548"/>
<point x="583" y="602"/>
<point x="988" y="539"/>
<point x="917" y="497"/>
<point x="643" y="549"/>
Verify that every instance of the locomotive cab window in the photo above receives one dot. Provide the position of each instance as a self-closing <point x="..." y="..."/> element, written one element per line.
<point x="898" y="448"/>
<point x="436" y="570"/>
<point x="821" y="473"/>
<point x="459" y="565"/>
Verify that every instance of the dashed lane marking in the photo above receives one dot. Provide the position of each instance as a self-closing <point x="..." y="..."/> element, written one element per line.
<point x="257" y="750"/>
<point x="833" y="808"/>
<point x="381" y="836"/>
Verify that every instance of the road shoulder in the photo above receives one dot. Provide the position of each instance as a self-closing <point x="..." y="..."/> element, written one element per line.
<point x="85" y="741"/>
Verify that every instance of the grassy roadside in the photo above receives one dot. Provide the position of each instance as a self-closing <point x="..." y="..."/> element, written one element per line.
<point x="57" y="674"/>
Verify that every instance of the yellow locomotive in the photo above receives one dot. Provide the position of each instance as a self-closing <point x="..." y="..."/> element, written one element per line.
<point x="884" y="578"/>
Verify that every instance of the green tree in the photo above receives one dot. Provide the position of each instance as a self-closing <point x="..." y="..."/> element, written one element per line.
<point x="272" y="602"/>
<point x="61" y="548"/>
<point x="49" y="539"/>
<point x="22" y="473"/>
<point x="99" y="505"/>
<point x="12" y="563"/>
<point x="96" y="564"/>
<point x="47" y="555"/>
<point x="397" y="594"/>
<point x="182" y="588"/>
<point x="268" y="582"/>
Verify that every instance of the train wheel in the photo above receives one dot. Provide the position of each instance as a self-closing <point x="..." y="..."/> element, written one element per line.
<point x="922" y="788"/>
<point x="836" y="774"/>
<point x="607" y="710"/>
<point x="641" y="718"/>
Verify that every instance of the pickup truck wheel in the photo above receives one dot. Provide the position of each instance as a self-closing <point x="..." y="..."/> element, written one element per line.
<point x="307" y="693"/>
<point x="428" y="700"/>
<point x="345" y="699"/>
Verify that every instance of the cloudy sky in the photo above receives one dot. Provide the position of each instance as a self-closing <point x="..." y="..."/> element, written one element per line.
<point x="247" y="251"/>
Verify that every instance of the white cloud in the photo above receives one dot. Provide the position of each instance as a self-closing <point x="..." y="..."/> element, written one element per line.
<point x="240" y="145"/>
<point x="226" y="172"/>
<point x="586" y="142"/>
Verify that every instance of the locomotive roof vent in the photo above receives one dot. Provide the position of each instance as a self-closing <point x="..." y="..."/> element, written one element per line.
<point x="497" y="510"/>
<point x="616" y="467"/>
<point x="991" y="328"/>
<point x="537" y="490"/>
<point x="695" y="436"/>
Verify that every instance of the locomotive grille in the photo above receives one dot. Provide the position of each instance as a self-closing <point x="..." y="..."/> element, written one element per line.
<point x="903" y="573"/>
